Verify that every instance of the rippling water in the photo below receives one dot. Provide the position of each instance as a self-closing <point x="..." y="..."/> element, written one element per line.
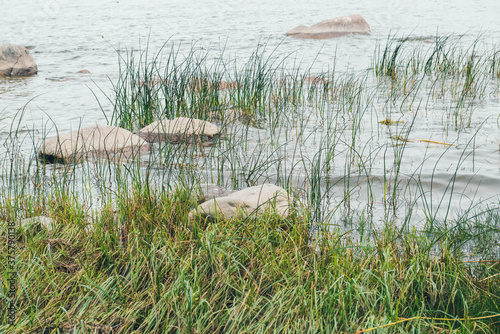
<point x="70" y="36"/>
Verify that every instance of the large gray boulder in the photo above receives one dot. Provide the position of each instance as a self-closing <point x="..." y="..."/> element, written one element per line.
<point x="339" y="26"/>
<point x="15" y="60"/>
<point x="102" y="141"/>
<point x="180" y="129"/>
<point x="253" y="200"/>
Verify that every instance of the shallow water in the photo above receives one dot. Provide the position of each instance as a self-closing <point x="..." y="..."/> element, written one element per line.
<point x="70" y="37"/>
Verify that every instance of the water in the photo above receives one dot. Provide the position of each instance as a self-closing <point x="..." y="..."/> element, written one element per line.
<point x="70" y="37"/>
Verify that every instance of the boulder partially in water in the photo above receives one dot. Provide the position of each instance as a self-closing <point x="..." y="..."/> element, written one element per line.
<point x="15" y="60"/>
<point x="101" y="141"/>
<point x="339" y="26"/>
<point x="250" y="201"/>
<point x="180" y="129"/>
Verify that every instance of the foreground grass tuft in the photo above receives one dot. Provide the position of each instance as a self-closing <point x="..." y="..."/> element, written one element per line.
<point x="141" y="267"/>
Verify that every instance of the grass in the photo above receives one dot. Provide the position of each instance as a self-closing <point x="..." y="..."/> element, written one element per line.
<point x="140" y="268"/>
<point x="353" y="256"/>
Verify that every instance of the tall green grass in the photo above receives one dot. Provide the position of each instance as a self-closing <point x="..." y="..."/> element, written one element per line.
<point x="137" y="266"/>
<point x="125" y="258"/>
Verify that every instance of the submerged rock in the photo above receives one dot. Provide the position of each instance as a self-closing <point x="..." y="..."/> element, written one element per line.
<point x="208" y="191"/>
<point x="102" y="141"/>
<point x="249" y="201"/>
<point x="339" y="26"/>
<point x="15" y="60"/>
<point x="316" y="80"/>
<point x="179" y="130"/>
<point x="198" y="84"/>
<point x="223" y="85"/>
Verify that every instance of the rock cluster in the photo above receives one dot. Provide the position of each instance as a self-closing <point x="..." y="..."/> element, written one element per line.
<point x="110" y="142"/>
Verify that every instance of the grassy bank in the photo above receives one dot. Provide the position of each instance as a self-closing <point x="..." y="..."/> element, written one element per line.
<point x="352" y="257"/>
<point x="141" y="268"/>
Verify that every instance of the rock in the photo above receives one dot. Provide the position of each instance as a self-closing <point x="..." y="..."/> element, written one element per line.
<point x="153" y="82"/>
<point x="223" y="85"/>
<point x="178" y="130"/>
<point x="84" y="72"/>
<point x="101" y="141"/>
<point x="15" y="60"/>
<point x="60" y="79"/>
<point x="339" y="26"/>
<point x="198" y="84"/>
<point x="43" y="221"/>
<point x="32" y="222"/>
<point x="252" y="200"/>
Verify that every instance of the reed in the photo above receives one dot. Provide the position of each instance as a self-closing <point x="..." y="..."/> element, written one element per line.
<point x="124" y="256"/>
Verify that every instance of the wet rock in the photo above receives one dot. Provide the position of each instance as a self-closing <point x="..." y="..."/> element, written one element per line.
<point x="102" y="141"/>
<point x="84" y="72"/>
<point x="339" y="26"/>
<point x="15" y="60"/>
<point x="316" y="80"/>
<point x="249" y="201"/>
<point x="153" y="82"/>
<point x="179" y="130"/>
<point x="223" y="85"/>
